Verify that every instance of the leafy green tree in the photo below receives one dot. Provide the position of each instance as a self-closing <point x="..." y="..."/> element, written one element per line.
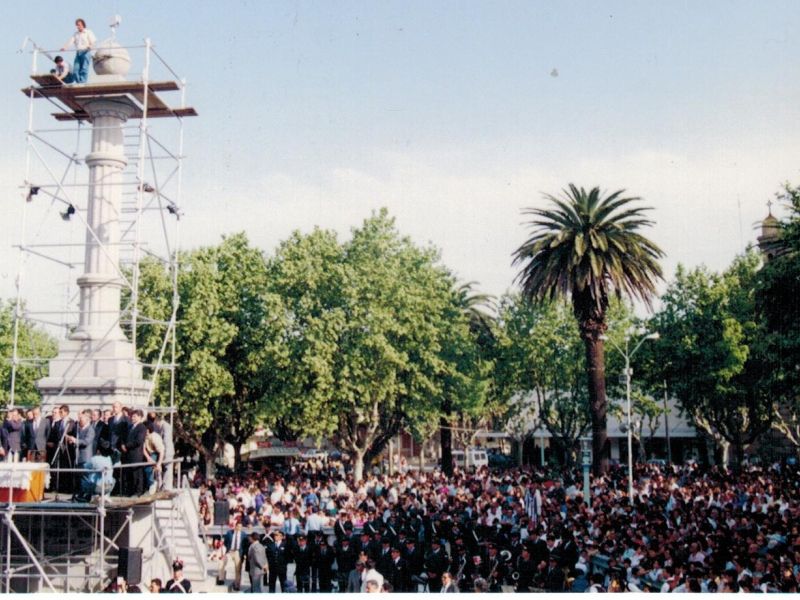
<point x="709" y="353"/>
<point x="228" y="341"/>
<point x="588" y="248"/>
<point x="777" y="291"/>
<point x="377" y="340"/>
<point x="540" y="368"/>
<point x="32" y="344"/>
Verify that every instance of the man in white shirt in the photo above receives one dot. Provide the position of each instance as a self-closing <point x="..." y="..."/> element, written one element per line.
<point x="83" y="40"/>
<point x="314" y="521"/>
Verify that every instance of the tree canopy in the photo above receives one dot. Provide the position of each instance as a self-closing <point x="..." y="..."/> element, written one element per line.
<point x="380" y="337"/>
<point x="709" y="352"/>
<point x="34" y="345"/>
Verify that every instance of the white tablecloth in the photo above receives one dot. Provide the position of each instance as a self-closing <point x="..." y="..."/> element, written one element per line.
<point x="18" y="475"/>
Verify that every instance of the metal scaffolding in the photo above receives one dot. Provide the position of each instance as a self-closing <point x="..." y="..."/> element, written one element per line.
<point x="55" y="545"/>
<point x="53" y="195"/>
<point x="150" y="211"/>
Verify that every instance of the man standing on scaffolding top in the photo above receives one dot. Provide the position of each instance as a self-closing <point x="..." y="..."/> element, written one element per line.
<point x="83" y="40"/>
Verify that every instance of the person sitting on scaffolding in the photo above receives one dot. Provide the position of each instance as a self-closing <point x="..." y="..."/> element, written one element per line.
<point x="100" y="478"/>
<point x="83" y="40"/>
<point x="62" y="71"/>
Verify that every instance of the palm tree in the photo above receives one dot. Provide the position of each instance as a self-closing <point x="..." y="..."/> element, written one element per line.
<point x="481" y="325"/>
<point x="586" y="248"/>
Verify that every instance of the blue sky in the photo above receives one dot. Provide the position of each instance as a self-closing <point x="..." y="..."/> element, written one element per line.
<point x="455" y="115"/>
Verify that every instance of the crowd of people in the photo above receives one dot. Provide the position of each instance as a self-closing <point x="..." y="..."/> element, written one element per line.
<point x="97" y="442"/>
<point x="687" y="528"/>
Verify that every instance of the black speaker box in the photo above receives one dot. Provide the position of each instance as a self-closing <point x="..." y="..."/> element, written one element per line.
<point x="129" y="565"/>
<point x="221" y="512"/>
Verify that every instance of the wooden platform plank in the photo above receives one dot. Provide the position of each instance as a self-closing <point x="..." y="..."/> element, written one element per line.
<point x="47" y="80"/>
<point x="77" y="90"/>
<point x="81" y="115"/>
<point x="153" y="101"/>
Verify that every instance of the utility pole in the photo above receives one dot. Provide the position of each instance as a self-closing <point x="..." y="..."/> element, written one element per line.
<point x="666" y="424"/>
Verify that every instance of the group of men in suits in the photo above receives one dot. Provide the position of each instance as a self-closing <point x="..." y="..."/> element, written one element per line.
<point x="68" y="443"/>
<point x="20" y="437"/>
<point x="266" y="559"/>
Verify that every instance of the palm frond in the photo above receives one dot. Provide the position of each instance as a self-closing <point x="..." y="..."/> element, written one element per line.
<point x="589" y="242"/>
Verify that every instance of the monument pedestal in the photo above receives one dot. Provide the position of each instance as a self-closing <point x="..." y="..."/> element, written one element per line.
<point x="94" y="374"/>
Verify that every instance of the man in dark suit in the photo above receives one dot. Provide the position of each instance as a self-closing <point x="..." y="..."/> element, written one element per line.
<point x="277" y="557"/>
<point x="61" y="432"/>
<point x="3" y="443"/>
<point x="340" y="527"/>
<point x="302" y="565"/>
<point x="27" y="433"/>
<point x="101" y="431"/>
<point x="526" y="569"/>
<point x="436" y="563"/>
<point x="119" y="426"/>
<point x="323" y="560"/>
<point x="14" y="426"/>
<point x="345" y="561"/>
<point x="384" y="562"/>
<point x="398" y="573"/>
<point x="37" y="429"/>
<point x="415" y="562"/>
<point x="554" y="577"/>
<point x="133" y="453"/>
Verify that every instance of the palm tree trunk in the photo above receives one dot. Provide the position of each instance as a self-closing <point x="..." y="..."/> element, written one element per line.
<point x="596" y="372"/>
<point x="446" y="438"/>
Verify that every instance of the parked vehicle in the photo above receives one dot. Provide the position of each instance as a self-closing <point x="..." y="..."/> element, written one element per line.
<point x="498" y="460"/>
<point x="314" y="454"/>
<point x="472" y="458"/>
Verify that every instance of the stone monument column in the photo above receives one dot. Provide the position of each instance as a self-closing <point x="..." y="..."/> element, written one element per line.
<point x="96" y="365"/>
<point x="101" y="283"/>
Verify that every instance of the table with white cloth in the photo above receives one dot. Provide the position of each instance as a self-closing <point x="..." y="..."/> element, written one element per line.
<point x="23" y="482"/>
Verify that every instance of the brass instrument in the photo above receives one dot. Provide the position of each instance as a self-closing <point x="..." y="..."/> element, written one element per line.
<point x="491" y="578"/>
<point x="460" y="574"/>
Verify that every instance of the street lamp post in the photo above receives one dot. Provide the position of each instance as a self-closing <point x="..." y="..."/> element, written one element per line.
<point x="586" y="462"/>
<point x="628" y="373"/>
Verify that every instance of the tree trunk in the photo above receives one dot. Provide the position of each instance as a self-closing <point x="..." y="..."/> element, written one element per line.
<point x="358" y="466"/>
<point x="737" y="456"/>
<point x="237" y="455"/>
<point x="596" y="375"/>
<point x="446" y="438"/>
<point x="725" y="450"/>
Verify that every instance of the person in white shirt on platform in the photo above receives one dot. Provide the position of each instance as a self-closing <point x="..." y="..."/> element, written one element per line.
<point x="83" y="40"/>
